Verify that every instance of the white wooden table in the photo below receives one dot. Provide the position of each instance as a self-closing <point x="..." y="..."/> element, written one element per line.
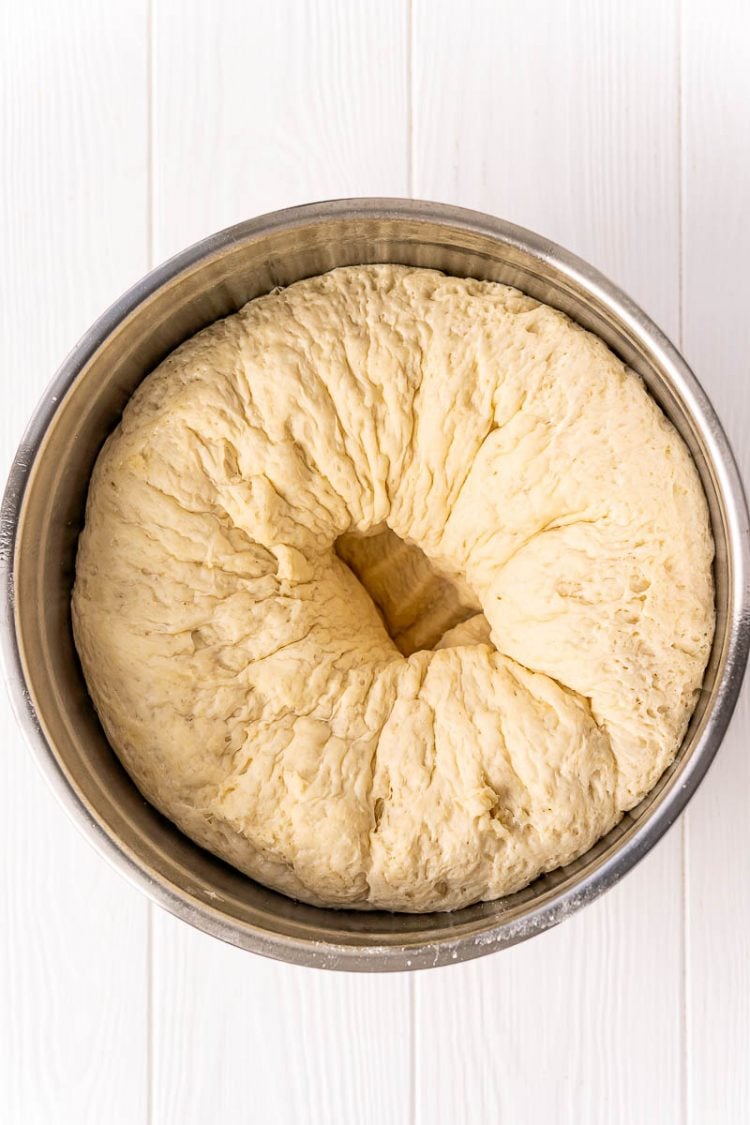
<point x="621" y="130"/>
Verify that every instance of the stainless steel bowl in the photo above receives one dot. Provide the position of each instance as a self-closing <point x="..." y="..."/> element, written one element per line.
<point x="43" y="509"/>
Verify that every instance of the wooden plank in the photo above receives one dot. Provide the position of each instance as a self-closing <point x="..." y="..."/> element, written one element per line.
<point x="73" y="935"/>
<point x="561" y="117"/>
<point x="241" y="1038"/>
<point x="289" y="103"/>
<point x="284" y="103"/>
<point x="716" y="333"/>
<point x="580" y="1025"/>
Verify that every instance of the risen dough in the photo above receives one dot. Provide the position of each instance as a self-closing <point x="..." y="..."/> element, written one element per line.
<point x="245" y="677"/>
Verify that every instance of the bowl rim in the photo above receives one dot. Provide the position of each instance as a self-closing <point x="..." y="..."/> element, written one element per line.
<point x="414" y="953"/>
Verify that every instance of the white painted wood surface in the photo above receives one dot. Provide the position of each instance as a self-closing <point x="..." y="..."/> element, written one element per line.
<point x="620" y="130"/>
<point x="73" y="211"/>
<point x="715" y="51"/>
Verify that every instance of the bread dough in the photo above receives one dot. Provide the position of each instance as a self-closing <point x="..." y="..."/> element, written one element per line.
<point x="530" y="525"/>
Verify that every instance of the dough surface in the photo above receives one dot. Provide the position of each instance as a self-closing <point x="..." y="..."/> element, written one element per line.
<point x="533" y="532"/>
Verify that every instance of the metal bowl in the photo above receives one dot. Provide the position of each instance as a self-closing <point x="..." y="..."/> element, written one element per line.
<point x="42" y="513"/>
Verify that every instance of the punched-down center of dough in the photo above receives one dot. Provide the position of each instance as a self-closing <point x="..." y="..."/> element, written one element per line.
<point x="422" y="608"/>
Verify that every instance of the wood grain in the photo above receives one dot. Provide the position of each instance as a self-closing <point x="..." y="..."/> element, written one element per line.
<point x="73" y="1030"/>
<point x="258" y="106"/>
<point x="238" y="1038"/>
<point x="563" y="118"/>
<point x="715" y="51"/>
<point x="620" y="130"/>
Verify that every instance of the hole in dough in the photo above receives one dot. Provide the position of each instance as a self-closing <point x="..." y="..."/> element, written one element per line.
<point x="422" y="607"/>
